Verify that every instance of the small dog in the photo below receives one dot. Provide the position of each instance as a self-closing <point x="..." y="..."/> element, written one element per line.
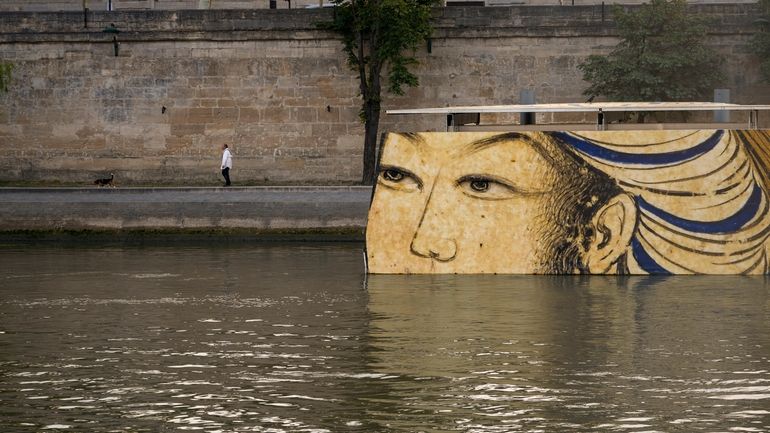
<point x="107" y="181"/>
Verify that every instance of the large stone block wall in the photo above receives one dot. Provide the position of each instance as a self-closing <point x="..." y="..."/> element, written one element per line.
<point x="96" y="5"/>
<point x="102" y="5"/>
<point x="274" y="87"/>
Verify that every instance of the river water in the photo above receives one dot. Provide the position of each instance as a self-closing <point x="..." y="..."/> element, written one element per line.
<point x="294" y="338"/>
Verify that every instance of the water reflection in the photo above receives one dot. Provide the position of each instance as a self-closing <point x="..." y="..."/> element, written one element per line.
<point x="292" y="338"/>
<point x="500" y="353"/>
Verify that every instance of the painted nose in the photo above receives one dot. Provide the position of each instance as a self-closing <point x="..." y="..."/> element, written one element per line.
<point x="430" y="239"/>
<point x="437" y="248"/>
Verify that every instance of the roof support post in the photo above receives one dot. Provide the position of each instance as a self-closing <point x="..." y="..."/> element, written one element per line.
<point x="601" y="124"/>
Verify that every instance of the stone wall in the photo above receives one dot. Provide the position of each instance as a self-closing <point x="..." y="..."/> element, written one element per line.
<point x="274" y="87"/>
<point x="117" y="5"/>
<point x="101" y="5"/>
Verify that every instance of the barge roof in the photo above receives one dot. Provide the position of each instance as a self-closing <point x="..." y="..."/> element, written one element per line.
<point x="583" y="107"/>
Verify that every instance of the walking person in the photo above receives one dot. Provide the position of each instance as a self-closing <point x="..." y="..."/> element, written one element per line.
<point x="227" y="164"/>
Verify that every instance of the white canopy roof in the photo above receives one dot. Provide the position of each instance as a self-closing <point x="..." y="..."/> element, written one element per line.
<point x="583" y="107"/>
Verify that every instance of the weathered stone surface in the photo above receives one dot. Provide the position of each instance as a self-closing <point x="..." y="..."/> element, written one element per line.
<point x="72" y="5"/>
<point x="275" y="87"/>
<point x="260" y="208"/>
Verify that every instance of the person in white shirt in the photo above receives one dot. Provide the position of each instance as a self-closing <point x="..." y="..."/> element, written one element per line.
<point x="227" y="164"/>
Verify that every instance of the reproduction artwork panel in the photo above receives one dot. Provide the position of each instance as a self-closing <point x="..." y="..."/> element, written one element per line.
<point x="598" y="202"/>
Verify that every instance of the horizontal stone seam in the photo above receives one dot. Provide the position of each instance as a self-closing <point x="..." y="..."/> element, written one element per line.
<point x="469" y="32"/>
<point x="163" y="37"/>
<point x="555" y="33"/>
<point x="298" y="20"/>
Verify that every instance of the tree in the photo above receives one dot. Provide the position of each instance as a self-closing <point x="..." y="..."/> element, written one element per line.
<point x="5" y="76"/>
<point x="380" y="35"/>
<point x="661" y="57"/>
<point x="761" y="41"/>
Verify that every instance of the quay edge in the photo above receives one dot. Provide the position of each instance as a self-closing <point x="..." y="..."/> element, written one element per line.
<point x="324" y="213"/>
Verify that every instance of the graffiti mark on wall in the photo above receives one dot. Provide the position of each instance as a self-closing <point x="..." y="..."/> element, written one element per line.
<point x="600" y="202"/>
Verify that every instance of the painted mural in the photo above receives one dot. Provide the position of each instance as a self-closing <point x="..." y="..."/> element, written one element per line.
<point x="599" y="202"/>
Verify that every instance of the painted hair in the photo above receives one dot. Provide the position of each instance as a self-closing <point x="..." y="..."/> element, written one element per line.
<point x="582" y="190"/>
<point x="701" y="196"/>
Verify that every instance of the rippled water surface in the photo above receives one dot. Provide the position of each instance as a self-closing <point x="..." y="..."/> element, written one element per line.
<point x="294" y="338"/>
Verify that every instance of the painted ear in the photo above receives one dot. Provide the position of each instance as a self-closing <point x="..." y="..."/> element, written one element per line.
<point x="613" y="226"/>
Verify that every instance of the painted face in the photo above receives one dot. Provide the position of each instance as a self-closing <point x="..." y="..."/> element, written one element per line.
<point x="459" y="203"/>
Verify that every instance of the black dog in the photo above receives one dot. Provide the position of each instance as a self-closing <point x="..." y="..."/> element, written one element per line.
<point x="107" y="181"/>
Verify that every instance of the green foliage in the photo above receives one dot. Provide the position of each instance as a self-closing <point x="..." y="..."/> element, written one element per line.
<point x="5" y="76"/>
<point x="761" y="41"/>
<point x="377" y="36"/>
<point x="382" y="35"/>
<point x="661" y="57"/>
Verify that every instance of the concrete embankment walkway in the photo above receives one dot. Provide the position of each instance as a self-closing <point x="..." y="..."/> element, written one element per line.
<point x="258" y="209"/>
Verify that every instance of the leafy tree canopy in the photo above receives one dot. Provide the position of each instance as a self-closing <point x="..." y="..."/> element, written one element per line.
<point x="380" y="33"/>
<point x="380" y="36"/>
<point x="761" y="42"/>
<point x="661" y="57"/>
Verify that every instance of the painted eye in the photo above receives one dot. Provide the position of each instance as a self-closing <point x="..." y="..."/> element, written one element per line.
<point x="399" y="179"/>
<point x="479" y="185"/>
<point x="486" y="187"/>
<point x="392" y="175"/>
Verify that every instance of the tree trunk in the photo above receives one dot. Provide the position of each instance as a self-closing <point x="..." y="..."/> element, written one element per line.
<point x="371" y="121"/>
<point x="371" y="128"/>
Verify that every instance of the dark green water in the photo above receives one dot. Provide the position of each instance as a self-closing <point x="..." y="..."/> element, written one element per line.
<point x="294" y="338"/>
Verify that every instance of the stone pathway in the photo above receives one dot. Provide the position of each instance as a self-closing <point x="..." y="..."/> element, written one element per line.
<point x="262" y="208"/>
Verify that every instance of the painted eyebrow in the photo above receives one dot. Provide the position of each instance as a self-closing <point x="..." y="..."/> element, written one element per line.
<point x="412" y="137"/>
<point x="478" y="145"/>
<point x="484" y="143"/>
<point x="488" y="142"/>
